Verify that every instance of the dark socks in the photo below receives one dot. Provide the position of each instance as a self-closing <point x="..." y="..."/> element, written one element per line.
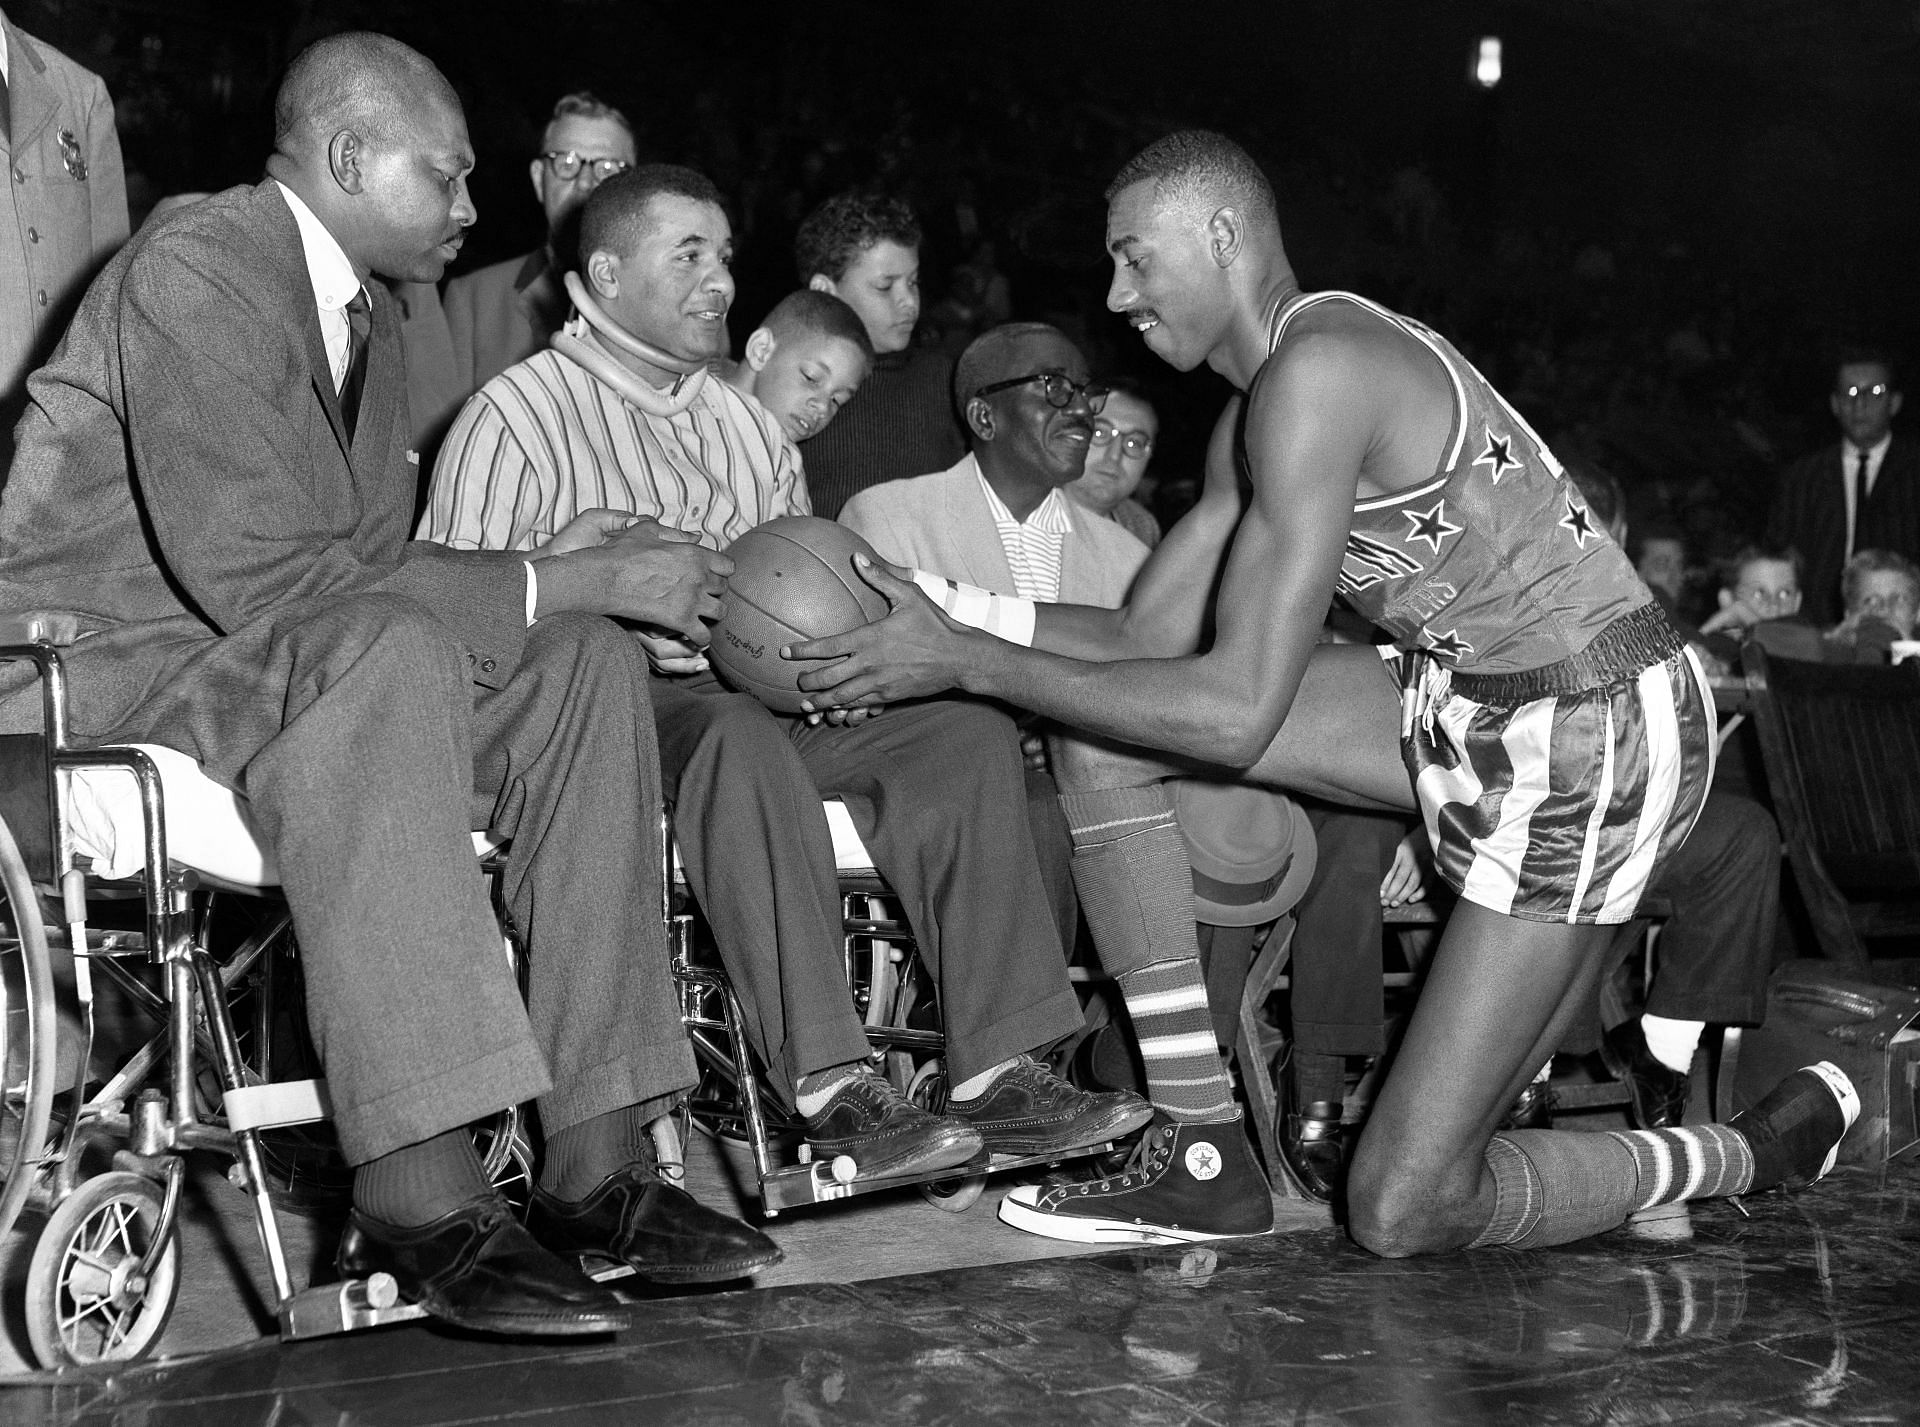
<point x="420" y="1182"/>
<point x="580" y="1156"/>
<point x="1318" y="1079"/>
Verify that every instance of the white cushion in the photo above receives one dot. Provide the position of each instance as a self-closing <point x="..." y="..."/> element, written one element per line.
<point x="209" y="827"/>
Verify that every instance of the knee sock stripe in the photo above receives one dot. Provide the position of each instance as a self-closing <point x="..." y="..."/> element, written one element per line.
<point x="1517" y="1197"/>
<point x="1692" y="1162"/>
<point x="1085" y="834"/>
<point x="1184" y="998"/>
<point x="1181" y="1047"/>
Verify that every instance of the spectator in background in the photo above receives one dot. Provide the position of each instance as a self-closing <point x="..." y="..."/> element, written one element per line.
<point x="1762" y="590"/>
<point x="1660" y="559"/>
<point x="505" y="313"/>
<point x="1123" y="437"/>
<point x="865" y="250"/>
<point x="1863" y="492"/>
<point x="66" y="199"/>
<point x="1882" y="591"/>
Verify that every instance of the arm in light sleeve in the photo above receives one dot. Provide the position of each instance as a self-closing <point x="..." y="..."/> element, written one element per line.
<point x="790" y="493"/>
<point x="487" y="492"/>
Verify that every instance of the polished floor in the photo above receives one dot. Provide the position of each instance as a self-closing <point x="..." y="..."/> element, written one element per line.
<point x="1807" y="1312"/>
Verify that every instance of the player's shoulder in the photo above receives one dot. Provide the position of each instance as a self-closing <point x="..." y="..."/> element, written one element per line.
<point x="1335" y="344"/>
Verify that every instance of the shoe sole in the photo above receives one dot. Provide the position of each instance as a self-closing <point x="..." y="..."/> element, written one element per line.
<point x="1837" y="1081"/>
<point x="1076" y="1229"/>
<point x="694" y="1273"/>
<point x="513" y="1325"/>
<point x="1123" y="1121"/>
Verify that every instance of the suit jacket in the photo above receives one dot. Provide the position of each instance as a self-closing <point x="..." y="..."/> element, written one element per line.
<point x="64" y="211"/>
<point x="186" y="490"/>
<point x="1810" y="513"/>
<point x="942" y="524"/>
<point x="503" y="314"/>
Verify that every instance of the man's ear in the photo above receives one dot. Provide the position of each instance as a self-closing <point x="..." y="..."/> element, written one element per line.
<point x="345" y="155"/>
<point x="820" y="282"/>
<point x="980" y="420"/>
<point x="603" y="273"/>
<point x="1893" y="403"/>
<point x="1226" y="236"/>
<point x="1726" y="599"/>
<point x="537" y="171"/>
<point x="759" y="350"/>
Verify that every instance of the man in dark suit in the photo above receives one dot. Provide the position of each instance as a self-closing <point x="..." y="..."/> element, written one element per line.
<point x="212" y="481"/>
<point x="503" y="314"/>
<point x="1863" y="493"/>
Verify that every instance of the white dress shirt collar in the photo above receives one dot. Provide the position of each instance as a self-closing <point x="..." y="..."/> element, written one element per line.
<point x="1051" y="515"/>
<point x="335" y="283"/>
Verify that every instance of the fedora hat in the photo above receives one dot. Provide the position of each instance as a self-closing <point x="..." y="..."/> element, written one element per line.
<point x="1252" y="850"/>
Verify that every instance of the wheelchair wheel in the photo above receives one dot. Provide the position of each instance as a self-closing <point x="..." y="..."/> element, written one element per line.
<point x="506" y="1154"/>
<point x="928" y="1090"/>
<point x="86" y="1300"/>
<point x="28" y="1045"/>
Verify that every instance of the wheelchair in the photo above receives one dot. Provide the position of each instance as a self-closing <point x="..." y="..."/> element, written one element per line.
<point x="898" y="1006"/>
<point x="82" y="830"/>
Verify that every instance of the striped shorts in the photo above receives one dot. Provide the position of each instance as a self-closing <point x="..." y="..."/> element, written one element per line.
<point x="1561" y="808"/>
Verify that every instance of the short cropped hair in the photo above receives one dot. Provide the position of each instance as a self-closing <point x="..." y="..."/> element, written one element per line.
<point x="985" y="359"/>
<point x="1198" y="165"/>
<point x="615" y="217"/>
<point x="357" y="80"/>
<point x="1748" y="554"/>
<point x="583" y="104"/>
<point x="833" y="236"/>
<point x="1869" y="562"/>
<point x="1859" y="355"/>
<point x="817" y="314"/>
<point x="1600" y="490"/>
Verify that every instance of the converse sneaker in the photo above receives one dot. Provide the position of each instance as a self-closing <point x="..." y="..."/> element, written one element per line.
<point x="1186" y="1181"/>
<point x="1795" y="1132"/>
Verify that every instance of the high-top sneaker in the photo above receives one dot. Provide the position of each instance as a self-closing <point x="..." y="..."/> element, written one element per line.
<point x="1795" y="1132"/>
<point x="1186" y="1181"/>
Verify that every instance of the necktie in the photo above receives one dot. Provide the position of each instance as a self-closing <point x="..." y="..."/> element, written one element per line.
<point x="359" y="327"/>
<point x="1860" y="482"/>
<point x="6" y="112"/>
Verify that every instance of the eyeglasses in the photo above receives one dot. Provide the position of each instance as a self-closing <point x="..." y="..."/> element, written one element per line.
<point x="566" y="164"/>
<point x="1134" y="443"/>
<point x="1060" y="388"/>
<point x="1876" y="392"/>
<point x="1764" y="599"/>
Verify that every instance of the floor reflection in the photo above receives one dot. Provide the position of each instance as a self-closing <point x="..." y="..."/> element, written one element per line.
<point x="1805" y="1313"/>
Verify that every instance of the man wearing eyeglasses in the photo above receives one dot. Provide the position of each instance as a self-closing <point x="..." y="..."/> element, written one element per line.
<point x="505" y="313"/>
<point x="1862" y="493"/>
<point x="1117" y="462"/>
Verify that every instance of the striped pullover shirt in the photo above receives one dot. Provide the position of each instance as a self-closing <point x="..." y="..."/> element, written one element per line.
<point x="546" y="439"/>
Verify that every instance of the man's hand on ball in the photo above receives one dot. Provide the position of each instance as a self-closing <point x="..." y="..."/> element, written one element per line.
<point x="586" y="530"/>
<point x="670" y="655"/>
<point x="915" y="651"/>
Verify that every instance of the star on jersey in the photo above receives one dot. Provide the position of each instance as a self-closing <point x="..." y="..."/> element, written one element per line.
<point x="1580" y="521"/>
<point x="1448" y="646"/>
<point x="1498" y="455"/>
<point x="1431" y="526"/>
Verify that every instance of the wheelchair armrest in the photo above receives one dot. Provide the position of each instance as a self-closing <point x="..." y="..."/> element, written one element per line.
<point x="57" y="627"/>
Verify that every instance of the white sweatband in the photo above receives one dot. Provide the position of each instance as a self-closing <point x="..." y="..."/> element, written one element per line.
<point x="1007" y="617"/>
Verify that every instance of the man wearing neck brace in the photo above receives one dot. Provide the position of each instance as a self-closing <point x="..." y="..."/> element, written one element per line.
<point x="620" y="412"/>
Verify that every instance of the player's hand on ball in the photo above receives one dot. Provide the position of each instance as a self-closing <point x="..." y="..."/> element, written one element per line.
<point x="915" y="651"/>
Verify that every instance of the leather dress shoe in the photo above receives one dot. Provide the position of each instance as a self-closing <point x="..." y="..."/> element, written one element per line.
<point x="885" y="1134"/>
<point x="1315" y="1149"/>
<point x="1532" y="1108"/>
<point x="1029" y="1110"/>
<point x="1659" y="1092"/>
<point x="476" y="1267"/>
<point x="659" y="1230"/>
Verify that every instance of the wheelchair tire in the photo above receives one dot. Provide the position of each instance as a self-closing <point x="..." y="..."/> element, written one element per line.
<point x="928" y="1090"/>
<point x="28" y="1041"/>
<point x="84" y="1303"/>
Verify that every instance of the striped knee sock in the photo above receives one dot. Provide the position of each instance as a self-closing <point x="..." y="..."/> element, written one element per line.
<point x="1168" y="1006"/>
<point x="1135" y="883"/>
<point x="1555" y="1186"/>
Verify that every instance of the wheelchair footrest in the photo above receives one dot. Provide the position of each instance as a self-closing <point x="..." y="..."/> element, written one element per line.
<point x="815" y="1183"/>
<point x="330" y="1308"/>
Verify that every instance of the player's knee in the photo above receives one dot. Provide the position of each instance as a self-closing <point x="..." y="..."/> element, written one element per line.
<point x="1396" y="1213"/>
<point x="1081" y="765"/>
<point x="395" y="641"/>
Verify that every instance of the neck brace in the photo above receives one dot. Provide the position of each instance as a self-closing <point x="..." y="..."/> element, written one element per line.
<point x="587" y="336"/>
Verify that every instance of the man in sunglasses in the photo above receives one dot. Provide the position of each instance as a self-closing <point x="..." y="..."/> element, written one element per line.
<point x="505" y="313"/>
<point x="1860" y="493"/>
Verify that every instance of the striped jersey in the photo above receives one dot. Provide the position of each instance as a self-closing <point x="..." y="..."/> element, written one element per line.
<point x="1494" y="564"/>
<point x="546" y="439"/>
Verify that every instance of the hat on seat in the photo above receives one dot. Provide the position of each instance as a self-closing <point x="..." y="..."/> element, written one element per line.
<point x="1252" y="850"/>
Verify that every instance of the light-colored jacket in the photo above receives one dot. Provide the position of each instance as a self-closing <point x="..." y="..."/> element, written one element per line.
<point x="942" y="524"/>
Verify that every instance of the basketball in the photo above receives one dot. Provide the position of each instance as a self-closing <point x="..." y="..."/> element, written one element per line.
<point x="793" y="579"/>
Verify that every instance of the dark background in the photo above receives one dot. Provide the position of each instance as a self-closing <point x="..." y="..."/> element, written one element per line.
<point x="1652" y="236"/>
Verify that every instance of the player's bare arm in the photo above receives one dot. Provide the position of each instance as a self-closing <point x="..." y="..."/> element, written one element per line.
<point x="1310" y="424"/>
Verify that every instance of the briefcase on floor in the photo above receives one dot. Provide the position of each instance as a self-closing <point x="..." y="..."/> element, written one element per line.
<point x="1818" y="1010"/>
